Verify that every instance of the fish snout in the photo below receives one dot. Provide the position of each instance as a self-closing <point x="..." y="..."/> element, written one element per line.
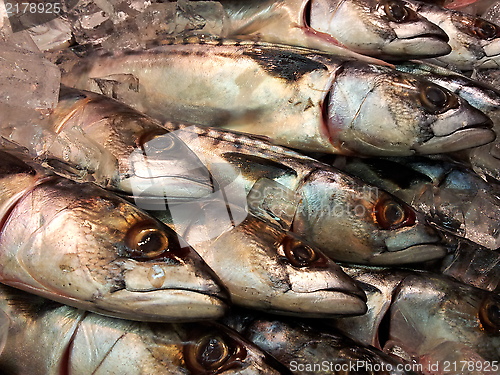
<point x="417" y="243"/>
<point x="466" y="127"/>
<point x="180" y="289"/>
<point x="322" y="292"/>
<point x="419" y="39"/>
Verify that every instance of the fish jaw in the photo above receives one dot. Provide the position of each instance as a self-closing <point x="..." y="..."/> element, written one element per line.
<point x="462" y="128"/>
<point x="365" y="27"/>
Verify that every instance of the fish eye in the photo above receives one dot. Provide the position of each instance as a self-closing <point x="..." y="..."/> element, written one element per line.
<point x="436" y="99"/>
<point x="146" y="241"/>
<point x="213" y="353"/>
<point x="392" y="215"/>
<point x="489" y="314"/>
<point x="155" y="141"/>
<point x="300" y="254"/>
<point x="485" y="30"/>
<point x="397" y="12"/>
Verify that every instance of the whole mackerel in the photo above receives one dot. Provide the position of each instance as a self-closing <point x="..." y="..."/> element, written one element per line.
<point x="298" y="97"/>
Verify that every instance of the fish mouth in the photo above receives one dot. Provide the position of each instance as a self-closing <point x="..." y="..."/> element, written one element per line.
<point x="321" y="303"/>
<point x="411" y="254"/>
<point x="167" y="305"/>
<point x="419" y="46"/>
<point x="466" y="137"/>
<point x="156" y="190"/>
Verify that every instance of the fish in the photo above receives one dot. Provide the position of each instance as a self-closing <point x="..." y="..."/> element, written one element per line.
<point x="428" y="319"/>
<point x="48" y="338"/>
<point x="92" y="138"/>
<point x="473" y="265"/>
<point x="474" y="41"/>
<point x="309" y="347"/>
<point x="484" y="160"/>
<point x="264" y="267"/>
<point x="450" y="195"/>
<point x="349" y="220"/>
<point x="383" y="29"/>
<point x="79" y="244"/>
<point x="298" y="98"/>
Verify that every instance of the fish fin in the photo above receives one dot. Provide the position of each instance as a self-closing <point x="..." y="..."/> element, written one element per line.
<point x="273" y="202"/>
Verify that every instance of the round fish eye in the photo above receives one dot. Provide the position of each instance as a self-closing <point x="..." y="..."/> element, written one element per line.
<point x="436" y="99"/>
<point x="155" y="141"/>
<point x="391" y="214"/>
<point x="146" y="241"/>
<point x="211" y="352"/>
<point x="485" y="30"/>
<point x="489" y="314"/>
<point x="398" y="12"/>
<point x="300" y="254"/>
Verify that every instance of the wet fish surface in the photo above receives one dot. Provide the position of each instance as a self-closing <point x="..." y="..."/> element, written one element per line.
<point x="385" y="29"/>
<point x="90" y="137"/>
<point x="314" y="200"/>
<point x="475" y="42"/>
<point x="81" y="245"/>
<point x="428" y="319"/>
<point x="48" y="338"/>
<point x="483" y="159"/>
<point x="326" y="103"/>
<point x="451" y="196"/>
<point x="312" y="348"/>
<point x="266" y="268"/>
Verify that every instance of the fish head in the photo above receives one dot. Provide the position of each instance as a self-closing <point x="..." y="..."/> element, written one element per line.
<point x="197" y="348"/>
<point x="293" y="342"/>
<point x="121" y="262"/>
<point x="374" y="110"/>
<point x="216" y="349"/>
<point x="445" y="319"/>
<point x="273" y="270"/>
<point x="162" y="165"/>
<point x="142" y="158"/>
<point x="354" y="222"/>
<point x="475" y="42"/>
<point x="382" y="28"/>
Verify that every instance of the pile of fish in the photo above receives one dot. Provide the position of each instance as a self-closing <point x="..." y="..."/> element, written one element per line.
<point x="250" y="187"/>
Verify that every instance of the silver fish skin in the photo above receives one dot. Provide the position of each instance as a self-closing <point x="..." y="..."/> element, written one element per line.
<point x="46" y="338"/>
<point x="473" y="265"/>
<point x="485" y="160"/>
<point x="267" y="268"/>
<point x="313" y="348"/>
<point x="429" y="319"/>
<point x="81" y="245"/>
<point x="384" y="29"/>
<point x="297" y="97"/>
<point x="475" y="42"/>
<point x="449" y="195"/>
<point x="94" y="138"/>
<point x="314" y="200"/>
